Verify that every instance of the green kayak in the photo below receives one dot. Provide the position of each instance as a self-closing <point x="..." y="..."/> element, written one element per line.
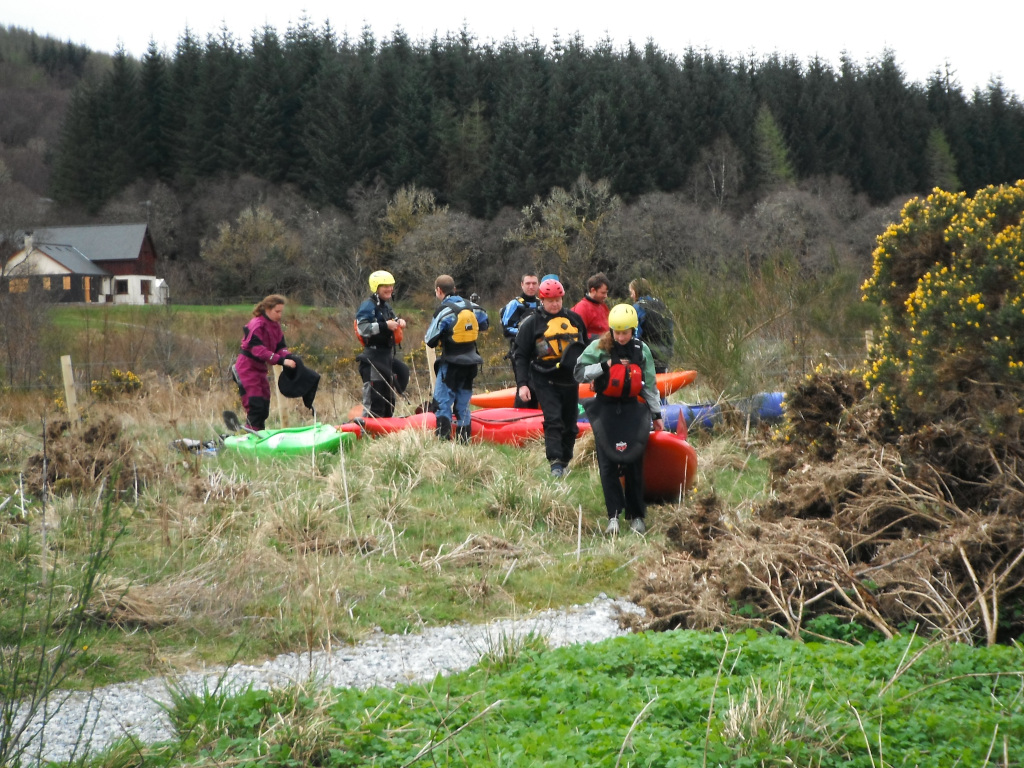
<point x="294" y="441"/>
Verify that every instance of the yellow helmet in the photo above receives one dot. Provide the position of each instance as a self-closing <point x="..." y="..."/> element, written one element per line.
<point x="622" y="317"/>
<point x="379" y="278"/>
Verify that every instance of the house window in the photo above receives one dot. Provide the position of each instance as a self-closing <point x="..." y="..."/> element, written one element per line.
<point x="18" y="285"/>
<point x="67" y="282"/>
<point x="46" y="283"/>
<point x="121" y="287"/>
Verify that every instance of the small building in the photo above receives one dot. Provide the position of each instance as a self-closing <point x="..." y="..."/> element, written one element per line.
<point x="113" y="264"/>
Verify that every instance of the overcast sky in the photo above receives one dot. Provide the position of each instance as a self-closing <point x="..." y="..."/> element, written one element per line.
<point x="978" y="41"/>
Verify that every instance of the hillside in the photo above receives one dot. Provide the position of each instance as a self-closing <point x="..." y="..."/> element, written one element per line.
<point x="37" y="77"/>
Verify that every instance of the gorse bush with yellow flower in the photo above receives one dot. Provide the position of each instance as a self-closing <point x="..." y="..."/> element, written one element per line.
<point x="119" y="383"/>
<point x="949" y="277"/>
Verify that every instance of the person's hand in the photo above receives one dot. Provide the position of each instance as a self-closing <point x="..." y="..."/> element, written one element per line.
<point x="524" y="393"/>
<point x="659" y="425"/>
<point x="392" y="325"/>
<point x="401" y="323"/>
<point x="288" y="363"/>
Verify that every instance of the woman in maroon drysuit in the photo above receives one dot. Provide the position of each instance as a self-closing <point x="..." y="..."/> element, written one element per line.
<point x="262" y="345"/>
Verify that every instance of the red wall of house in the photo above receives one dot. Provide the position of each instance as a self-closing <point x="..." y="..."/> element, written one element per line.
<point x="145" y="264"/>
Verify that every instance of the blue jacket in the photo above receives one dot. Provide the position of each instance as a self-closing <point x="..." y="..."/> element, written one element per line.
<point x="442" y="326"/>
<point x="371" y="319"/>
<point x="514" y="312"/>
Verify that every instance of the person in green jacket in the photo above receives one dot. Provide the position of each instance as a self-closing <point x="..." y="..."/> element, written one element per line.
<point x="621" y="368"/>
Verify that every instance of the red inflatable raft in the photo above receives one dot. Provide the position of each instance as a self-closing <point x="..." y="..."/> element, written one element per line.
<point x="504" y="398"/>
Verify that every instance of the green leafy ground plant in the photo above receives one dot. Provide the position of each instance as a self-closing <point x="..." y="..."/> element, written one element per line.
<point x="666" y="699"/>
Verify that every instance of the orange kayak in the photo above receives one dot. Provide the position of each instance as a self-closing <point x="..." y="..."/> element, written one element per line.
<point x="504" y="398"/>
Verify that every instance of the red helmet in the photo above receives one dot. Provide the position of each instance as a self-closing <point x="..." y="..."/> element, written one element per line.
<point x="551" y="289"/>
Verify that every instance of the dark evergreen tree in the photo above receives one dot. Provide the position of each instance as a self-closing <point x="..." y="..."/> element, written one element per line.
<point x="120" y="124"/>
<point x="183" y="117"/>
<point x="154" y="139"/>
<point x="998" y="134"/>
<point x="306" y="53"/>
<point x="79" y="153"/>
<point x="902" y="138"/>
<point x="520" y="146"/>
<point x="671" y="148"/>
<point x="820" y="141"/>
<point x="337" y="121"/>
<point x="486" y="126"/>
<point x="402" y="115"/>
<point x="258" y="110"/>
<point x="950" y="113"/>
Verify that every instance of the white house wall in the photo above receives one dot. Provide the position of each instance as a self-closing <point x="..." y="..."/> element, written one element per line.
<point x="135" y="294"/>
<point x="36" y="264"/>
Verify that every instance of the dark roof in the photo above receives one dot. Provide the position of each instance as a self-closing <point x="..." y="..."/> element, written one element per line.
<point x="69" y="256"/>
<point x="101" y="242"/>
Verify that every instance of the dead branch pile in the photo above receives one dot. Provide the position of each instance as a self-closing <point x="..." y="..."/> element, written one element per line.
<point x="478" y="549"/>
<point x="865" y="524"/>
<point x="117" y="601"/>
<point x="79" y="458"/>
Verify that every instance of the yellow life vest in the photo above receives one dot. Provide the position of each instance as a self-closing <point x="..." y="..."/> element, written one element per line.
<point x="558" y="336"/>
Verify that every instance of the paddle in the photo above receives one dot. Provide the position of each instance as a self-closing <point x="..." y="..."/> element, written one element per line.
<point x="234" y="425"/>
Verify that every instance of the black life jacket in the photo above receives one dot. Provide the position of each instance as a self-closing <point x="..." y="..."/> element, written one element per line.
<point x="385" y="338"/>
<point x="624" y="380"/>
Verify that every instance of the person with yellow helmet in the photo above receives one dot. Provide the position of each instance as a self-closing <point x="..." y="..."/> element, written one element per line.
<point x="545" y="350"/>
<point x="384" y="374"/>
<point x="625" y="407"/>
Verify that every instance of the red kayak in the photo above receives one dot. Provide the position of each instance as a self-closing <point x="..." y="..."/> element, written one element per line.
<point x="511" y="426"/>
<point x="375" y="427"/>
<point x="504" y="398"/>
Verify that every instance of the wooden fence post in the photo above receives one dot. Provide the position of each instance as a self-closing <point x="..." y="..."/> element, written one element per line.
<point x="69" y="387"/>
<point x="278" y="397"/>
<point x="431" y="357"/>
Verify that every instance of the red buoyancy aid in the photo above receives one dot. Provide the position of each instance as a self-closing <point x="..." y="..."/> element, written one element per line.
<point x="625" y="378"/>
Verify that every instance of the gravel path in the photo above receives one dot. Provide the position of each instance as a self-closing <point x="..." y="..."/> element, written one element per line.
<point x="112" y="713"/>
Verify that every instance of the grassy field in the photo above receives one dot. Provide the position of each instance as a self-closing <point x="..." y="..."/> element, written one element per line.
<point x="212" y="558"/>
<point x="226" y="557"/>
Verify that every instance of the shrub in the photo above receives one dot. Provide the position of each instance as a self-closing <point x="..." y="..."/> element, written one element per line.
<point x="119" y="383"/>
<point x="949" y="277"/>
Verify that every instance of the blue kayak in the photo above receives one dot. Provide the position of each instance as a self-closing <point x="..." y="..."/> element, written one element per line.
<point x="763" y="407"/>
